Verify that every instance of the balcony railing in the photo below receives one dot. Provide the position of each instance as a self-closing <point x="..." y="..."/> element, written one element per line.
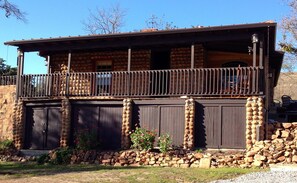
<point x="241" y="81"/>
<point x="7" y="80"/>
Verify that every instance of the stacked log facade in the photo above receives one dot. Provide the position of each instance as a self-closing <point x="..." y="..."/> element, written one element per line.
<point x="189" y="124"/>
<point x="126" y="123"/>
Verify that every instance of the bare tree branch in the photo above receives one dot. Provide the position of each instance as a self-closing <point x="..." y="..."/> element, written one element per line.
<point x="104" y="21"/>
<point x="155" y="22"/>
<point x="12" y="10"/>
<point x="289" y="41"/>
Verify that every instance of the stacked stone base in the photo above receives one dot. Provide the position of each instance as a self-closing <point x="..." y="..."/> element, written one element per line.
<point x="279" y="148"/>
<point x="176" y="158"/>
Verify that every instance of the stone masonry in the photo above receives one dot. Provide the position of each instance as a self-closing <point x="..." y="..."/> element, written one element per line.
<point x="19" y="124"/>
<point x="126" y="123"/>
<point x="254" y="120"/>
<point x="7" y="102"/>
<point x="189" y="124"/>
<point x="66" y="122"/>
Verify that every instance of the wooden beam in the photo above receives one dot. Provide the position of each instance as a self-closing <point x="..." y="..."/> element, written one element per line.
<point x="254" y="54"/>
<point x="48" y="64"/>
<point x="69" y="62"/>
<point x="19" y="72"/>
<point x="129" y="59"/>
<point x="192" y="56"/>
<point x="261" y="55"/>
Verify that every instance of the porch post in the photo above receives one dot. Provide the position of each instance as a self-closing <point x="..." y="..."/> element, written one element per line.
<point x="68" y="71"/>
<point x="129" y="59"/>
<point x="20" y="71"/>
<point x="261" y="55"/>
<point x="254" y="41"/>
<point x="192" y="55"/>
<point x="48" y="64"/>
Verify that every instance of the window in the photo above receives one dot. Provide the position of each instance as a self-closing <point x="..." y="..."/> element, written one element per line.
<point x="103" y="80"/>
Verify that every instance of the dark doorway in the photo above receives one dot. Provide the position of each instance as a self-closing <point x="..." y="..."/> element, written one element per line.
<point x="160" y="60"/>
<point x="43" y="127"/>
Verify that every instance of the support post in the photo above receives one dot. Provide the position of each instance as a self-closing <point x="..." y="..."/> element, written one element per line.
<point x="192" y="56"/>
<point x="48" y="64"/>
<point x="20" y="71"/>
<point x="129" y="59"/>
<point x="129" y="69"/>
<point x="67" y="74"/>
<point x="254" y="41"/>
<point x="261" y="55"/>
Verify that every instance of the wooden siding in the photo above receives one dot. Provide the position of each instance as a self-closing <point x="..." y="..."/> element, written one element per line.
<point x="161" y="116"/>
<point x="43" y="127"/>
<point x="217" y="59"/>
<point x="105" y="121"/>
<point x="220" y="123"/>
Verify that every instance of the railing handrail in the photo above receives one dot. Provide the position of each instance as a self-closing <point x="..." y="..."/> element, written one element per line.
<point x="7" y="80"/>
<point x="229" y="81"/>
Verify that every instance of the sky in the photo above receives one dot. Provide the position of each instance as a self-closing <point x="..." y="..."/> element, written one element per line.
<point x="54" y="18"/>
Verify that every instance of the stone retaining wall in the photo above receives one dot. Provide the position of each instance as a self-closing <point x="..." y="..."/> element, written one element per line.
<point x="7" y="102"/>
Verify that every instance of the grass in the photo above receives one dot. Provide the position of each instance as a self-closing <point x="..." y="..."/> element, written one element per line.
<point x="25" y="172"/>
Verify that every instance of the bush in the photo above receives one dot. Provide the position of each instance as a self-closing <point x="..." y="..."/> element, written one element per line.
<point x="87" y="140"/>
<point x="6" y="144"/>
<point x="56" y="157"/>
<point x="165" y="143"/>
<point x="143" y="139"/>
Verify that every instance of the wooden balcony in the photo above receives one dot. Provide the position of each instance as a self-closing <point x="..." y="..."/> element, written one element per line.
<point x="219" y="82"/>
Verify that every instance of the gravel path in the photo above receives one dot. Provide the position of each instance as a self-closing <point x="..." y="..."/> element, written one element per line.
<point x="264" y="177"/>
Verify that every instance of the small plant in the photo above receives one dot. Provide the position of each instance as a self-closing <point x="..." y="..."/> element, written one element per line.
<point x="165" y="143"/>
<point x="61" y="156"/>
<point x="143" y="139"/>
<point x="57" y="157"/>
<point x="87" y="140"/>
<point x="199" y="150"/>
<point x="6" y="144"/>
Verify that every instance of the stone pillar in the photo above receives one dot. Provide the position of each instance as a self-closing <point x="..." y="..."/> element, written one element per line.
<point x="254" y="121"/>
<point x="66" y="123"/>
<point x="18" y="125"/>
<point x="126" y="123"/>
<point x="189" y="124"/>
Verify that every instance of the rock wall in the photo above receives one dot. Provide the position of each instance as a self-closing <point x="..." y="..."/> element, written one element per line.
<point x="189" y="124"/>
<point x="7" y="102"/>
<point x="280" y="147"/>
<point x="66" y="122"/>
<point x="126" y="123"/>
<point x="19" y="124"/>
<point x="254" y="120"/>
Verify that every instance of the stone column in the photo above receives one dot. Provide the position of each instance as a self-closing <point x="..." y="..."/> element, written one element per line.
<point x="254" y="120"/>
<point x="18" y="125"/>
<point x="126" y="123"/>
<point x="66" y="123"/>
<point x="189" y="124"/>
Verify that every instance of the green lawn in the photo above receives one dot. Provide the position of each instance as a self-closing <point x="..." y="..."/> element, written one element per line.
<point x="28" y="172"/>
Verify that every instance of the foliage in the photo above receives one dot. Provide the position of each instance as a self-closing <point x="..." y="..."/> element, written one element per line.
<point x="143" y="139"/>
<point x="158" y="23"/>
<point x="87" y="140"/>
<point x="165" y="143"/>
<point x="199" y="150"/>
<point x="6" y="144"/>
<point x="288" y="43"/>
<point x="105" y="21"/>
<point x="6" y="70"/>
<point x="58" y="157"/>
<point x="12" y="9"/>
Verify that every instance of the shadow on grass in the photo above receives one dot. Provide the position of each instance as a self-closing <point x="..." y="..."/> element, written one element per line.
<point x="19" y="170"/>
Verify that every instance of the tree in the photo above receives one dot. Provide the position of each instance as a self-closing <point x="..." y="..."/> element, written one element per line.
<point x="6" y="70"/>
<point x="289" y="41"/>
<point x="155" y="22"/>
<point x="12" y="10"/>
<point x="105" y="21"/>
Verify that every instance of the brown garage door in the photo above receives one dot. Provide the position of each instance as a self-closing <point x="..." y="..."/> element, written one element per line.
<point x="43" y="127"/>
<point x="220" y="123"/>
<point x="161" y="116"/>
<point x="105" y="121"/>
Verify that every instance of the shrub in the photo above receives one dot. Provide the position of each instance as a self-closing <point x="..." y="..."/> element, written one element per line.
<point x="56" y="157"/>
<point x="165" y="142"/>
<point x="61" y="156"/>
<point x="87" y="140"/>
<point x="6" y="144"/>
<point x="143" y="139"/>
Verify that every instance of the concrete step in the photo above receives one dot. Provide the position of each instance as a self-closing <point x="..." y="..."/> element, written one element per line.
<point x="28" y="152"/>
<point x="283" y="168"/>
